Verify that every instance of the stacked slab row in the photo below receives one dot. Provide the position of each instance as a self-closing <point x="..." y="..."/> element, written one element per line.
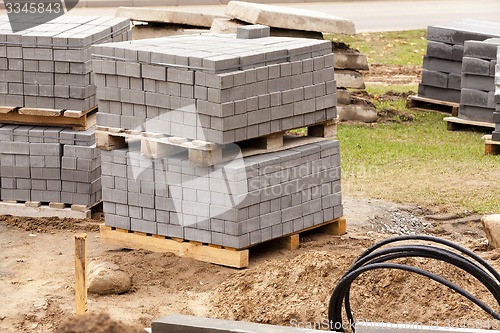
<point x="496" y="115"/>
<point x="442" y="66"/>
<point x="245" y="202"/>
<point x="49" y="164"/>
<point x="49" y="65"/>
<point x="220" y="89"/>
<point x="477" y="102"/>
<point x="215" y="88"/>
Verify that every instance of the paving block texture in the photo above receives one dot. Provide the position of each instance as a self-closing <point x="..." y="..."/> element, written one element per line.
<point x="49" y="66"/>
<point x="49" y="164"/>
<point x="237" y="204"/>
<point x="215" y="88"/>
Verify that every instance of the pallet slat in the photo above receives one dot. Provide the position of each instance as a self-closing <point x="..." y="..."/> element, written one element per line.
<point x="220" y="256"/>
<point x="456" y="124"/>
<point x="204" y="153"/>
<point x="215" y="254"/>
<point x="37" y="209"/>
<point x="78" y="120"/>
<point x="423" y="103"/>
<point x="492" y="147"/>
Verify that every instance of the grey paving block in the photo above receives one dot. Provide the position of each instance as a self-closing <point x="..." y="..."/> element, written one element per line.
<point x="450" y="95"/>
<point x="484" y="83"/>
<point x="434" y="79"/>
<point x="476" y="113"/>
<point x="442" y="65"/>
<point x="486" y="49"/>
<point x="476" y="66"/>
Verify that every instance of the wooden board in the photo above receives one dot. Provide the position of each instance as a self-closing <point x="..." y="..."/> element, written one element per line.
<point x="215" y="254"/>
<point x="423" y="103"/>
<point x="78" y="120"/>
<point x="456" y="124"/>
<point x="492" y="147"/>
<point x="202" y="153"/>
<point x="36" y="209"/>
<point x="137" y="240"/>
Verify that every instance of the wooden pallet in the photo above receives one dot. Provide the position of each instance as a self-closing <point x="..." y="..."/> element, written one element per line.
<point x="204" y="153"/>
<point x="422" y="103"/>
<point x="457" y="124"/>
<point x="53" y="209"/>
<point x="78" y="120"/>
<point x="492" y="147"/>
<point x="215" y="254"/>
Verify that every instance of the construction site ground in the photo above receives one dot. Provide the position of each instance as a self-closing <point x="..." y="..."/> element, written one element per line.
<point x="280" y="287"/>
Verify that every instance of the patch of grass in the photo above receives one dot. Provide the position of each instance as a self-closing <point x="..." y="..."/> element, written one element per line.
<point x="419" y="162"/>
<point x="390" y="48"/>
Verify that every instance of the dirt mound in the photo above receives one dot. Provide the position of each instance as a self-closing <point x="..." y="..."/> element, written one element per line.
<point x="298" y="290"/>
<point x="48" y="224"/>
<point x="95" y="323"/>
<point x="393" y="74"/>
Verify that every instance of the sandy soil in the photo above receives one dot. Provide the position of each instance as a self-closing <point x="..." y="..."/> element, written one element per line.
<point x="393" y="74"/>
<point x="36" y="275"/>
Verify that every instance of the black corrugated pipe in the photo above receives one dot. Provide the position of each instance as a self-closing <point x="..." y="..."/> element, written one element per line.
<point x="375" y="258"/>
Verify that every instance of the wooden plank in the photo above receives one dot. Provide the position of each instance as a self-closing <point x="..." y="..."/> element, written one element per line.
<point x="415" y="98"/>
<point x="426" y="104"/>
<point x="455" y="124"/>
<point x="492" y="147"/>
<point x="219" y="256"/>
<point x="81" y="274"/>
<point x="108" y="141"/>
<point x="40" y="112"/>
<point x="28" y="210"/>
<point x="7" y="109"/>
<point x="337" y="228"/>
<point x="291" y="242"/>
<point x="59" y="121"/>
<point x="328" y="130"/>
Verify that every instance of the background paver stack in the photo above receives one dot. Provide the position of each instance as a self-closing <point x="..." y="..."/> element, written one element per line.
<point x="49" y="164"/>
<point x="222" y="90"/>
<point x="46" y="73"/>
<point x="477" y="102"/>
<point x="49" y="66"/>
<point x="442" y="68"/>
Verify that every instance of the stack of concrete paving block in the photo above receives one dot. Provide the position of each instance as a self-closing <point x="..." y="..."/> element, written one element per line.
<point x="442" y="68"/>
<point x="477" y="102"/>
<point x="49" y="164"/>
<point x="243" y="203"/>
<point x="496" y="115"/>
<point x="49" y="66"/>
<point x="215" y="87"/>
<point x="220" y="89"/>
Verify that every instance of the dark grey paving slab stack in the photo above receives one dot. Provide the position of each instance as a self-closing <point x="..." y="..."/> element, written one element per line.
<point x="442" y="66"/>
<point x="220" y="89"/>
<point x="49" y="66"/>
<point x="496" y="115"/>
<point x="49" y="165"/>
<point x="477" y="102"/>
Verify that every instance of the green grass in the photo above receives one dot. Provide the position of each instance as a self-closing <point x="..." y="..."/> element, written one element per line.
<point x="400" y="48"/>
<point x="419" y="162"/>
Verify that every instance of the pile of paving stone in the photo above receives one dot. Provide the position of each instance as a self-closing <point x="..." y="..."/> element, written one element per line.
<point x="221" y="89"/>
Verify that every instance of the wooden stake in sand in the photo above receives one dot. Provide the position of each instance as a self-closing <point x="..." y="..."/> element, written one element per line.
<point x="81" y="273"/>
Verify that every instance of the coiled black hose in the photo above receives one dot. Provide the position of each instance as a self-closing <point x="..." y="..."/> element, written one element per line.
<point x="375" y="258"/>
